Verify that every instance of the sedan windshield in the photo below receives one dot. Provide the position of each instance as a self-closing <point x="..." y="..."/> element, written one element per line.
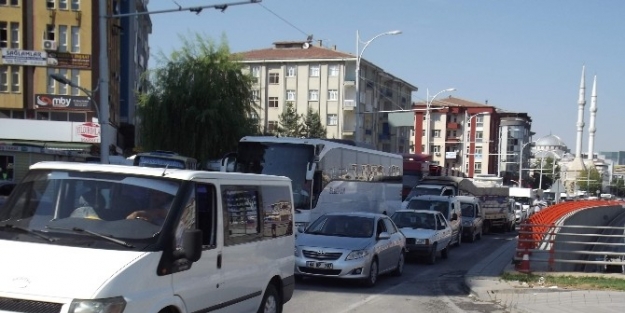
<point x="429" y="205"/>
<point x="414" y="220"/>
<point x="342" y="226"/>
<point x="78" y="204"/>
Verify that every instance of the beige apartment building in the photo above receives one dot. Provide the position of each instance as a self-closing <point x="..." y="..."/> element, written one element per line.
<point x="313" y="76"/>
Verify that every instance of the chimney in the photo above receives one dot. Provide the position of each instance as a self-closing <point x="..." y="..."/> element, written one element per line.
<point x="334" y="47"/>
<point x="320" y="43"/>
<point x="593" y="114"/>
<point x="581" y="102"/>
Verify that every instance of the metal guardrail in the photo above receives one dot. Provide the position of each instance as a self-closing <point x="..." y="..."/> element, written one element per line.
<point x="560" y="244"/>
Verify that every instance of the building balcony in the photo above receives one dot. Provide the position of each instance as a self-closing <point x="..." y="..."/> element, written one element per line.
<point x="349" y="104"/>
<point x="453" y="126"/>
<point x="452" y="140"/>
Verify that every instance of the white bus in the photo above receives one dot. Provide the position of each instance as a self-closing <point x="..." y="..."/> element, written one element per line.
<point x="311" y="164"/>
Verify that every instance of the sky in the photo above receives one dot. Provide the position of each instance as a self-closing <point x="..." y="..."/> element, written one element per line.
<point x="519" y="55"/>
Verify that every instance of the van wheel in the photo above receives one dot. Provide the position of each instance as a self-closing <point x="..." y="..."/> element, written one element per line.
<point x="459" y="239"/>
<point x="271" y="301"/>
<point x="445" y="252"/>
<point x="432" y="256"/>
<point x="373" y="274"/>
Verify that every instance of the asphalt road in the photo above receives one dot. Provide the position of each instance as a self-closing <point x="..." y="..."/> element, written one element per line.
<point x="422" y="288"/>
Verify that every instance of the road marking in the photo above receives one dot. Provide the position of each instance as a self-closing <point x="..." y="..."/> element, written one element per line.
<point x="387" y="291"/>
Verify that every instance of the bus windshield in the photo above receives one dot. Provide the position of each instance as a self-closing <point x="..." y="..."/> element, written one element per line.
<point x="282" y="159"/>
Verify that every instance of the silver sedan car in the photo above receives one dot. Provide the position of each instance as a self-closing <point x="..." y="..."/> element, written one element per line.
<point x="350" y="245"/>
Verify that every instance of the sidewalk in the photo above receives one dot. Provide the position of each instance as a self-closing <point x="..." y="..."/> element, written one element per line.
<point x="485" y="284"/>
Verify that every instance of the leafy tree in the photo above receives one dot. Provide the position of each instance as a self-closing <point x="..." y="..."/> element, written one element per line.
<point x="617" y="187"/>
<point x="313" y="128"/>
<point x="289" y="122"/>
<point x="589" y="180"/>
<point x="550" y="172"/>
<point x="200" y="102"/>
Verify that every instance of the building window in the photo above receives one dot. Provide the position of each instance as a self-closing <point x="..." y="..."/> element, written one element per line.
<point x="334" y="70"/>
<point x="255" y="95"/>
<point x="478" y="152"/>
<point x="256" y="71"/>
<point x="333" y="119"/>
<point x="49" y="33"/>
<point x="313" y="95"/>
<point x="291" y="71"/>
<point x="273" y="102"/>
<point x="63" y="87"/>
<point x="274" y="78"/>
<point x="480" y="121"/>
<point x="63" y="4"/>
<point x="4" y="78"/>
<point x="75" y="39"/>
<point x="477" y="167"/>
<point x="290" y="95"/>
<point x="436" y="133"/>
<point x="75" y="5"/>
<point x="77" y="117"/>
<point x="436" y="149"/>
<point x="76" y="81"/>
<point x="314" y="71"/>
<point x="333" y="95"/>
<point x="51" y="89"/>
<point x="479" y="136"/>
<point x="4" y="35"/>
<point x="62" y="38"/>
<point x="272" y="126"/>
<point x="50" y="4"/>
<point x="15" y="35"/>
<point x="15" y="79"/>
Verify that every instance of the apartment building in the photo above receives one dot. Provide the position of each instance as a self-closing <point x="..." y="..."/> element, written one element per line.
<point x="313" y="76"/>
<point x="463" y="135"/>
<point x="40" y="118"/>
<point x="515" y="132"/>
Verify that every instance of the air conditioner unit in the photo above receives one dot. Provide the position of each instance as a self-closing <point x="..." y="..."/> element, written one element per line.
<point x="438" y="154"/>
<point x="49" y="45"/>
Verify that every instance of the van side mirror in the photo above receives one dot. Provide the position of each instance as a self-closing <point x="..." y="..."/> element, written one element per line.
<point x="454" y="217"/>
<point x="192" y="244"/>
<point x="300" y="229"/>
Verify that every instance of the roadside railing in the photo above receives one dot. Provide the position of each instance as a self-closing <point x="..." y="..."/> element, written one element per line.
<point x="573" y="236"/>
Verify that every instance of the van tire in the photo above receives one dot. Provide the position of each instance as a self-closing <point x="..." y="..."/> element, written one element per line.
<point x="272" y="302"/>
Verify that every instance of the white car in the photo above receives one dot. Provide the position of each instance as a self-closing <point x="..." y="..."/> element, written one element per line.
<point x="428" y="233"/>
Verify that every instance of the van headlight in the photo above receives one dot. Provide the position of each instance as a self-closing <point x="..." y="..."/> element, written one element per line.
<point x="357" y="254"/>
<point x="106" y="305"/>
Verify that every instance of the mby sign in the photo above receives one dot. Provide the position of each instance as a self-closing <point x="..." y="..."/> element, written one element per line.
<point x="87" y="132"/>
<point x="61" y="102"/>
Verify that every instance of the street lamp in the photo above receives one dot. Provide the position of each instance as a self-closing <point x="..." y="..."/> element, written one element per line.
<point x="103" y="149"/>
<point x="553" y="166"/>
<point x="359" y="53"/>
<point x="428" y="105"/>
<point x="464" y="141"/>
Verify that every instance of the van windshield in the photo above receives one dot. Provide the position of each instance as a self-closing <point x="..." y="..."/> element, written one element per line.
<point x="70" y="206"/>
<point x="425" y="191"/>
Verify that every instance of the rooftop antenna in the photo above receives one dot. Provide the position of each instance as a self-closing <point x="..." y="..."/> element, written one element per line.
<point x="165" y="170"/>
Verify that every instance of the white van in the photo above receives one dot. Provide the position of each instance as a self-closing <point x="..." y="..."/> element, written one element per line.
<point x="448" y="206"/>
<point x="80" y="237"/>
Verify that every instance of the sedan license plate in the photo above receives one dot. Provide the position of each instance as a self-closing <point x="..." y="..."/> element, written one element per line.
<point x="322" y="265"/>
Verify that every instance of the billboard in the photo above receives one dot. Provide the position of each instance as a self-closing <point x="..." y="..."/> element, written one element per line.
<point x="24" y="57"/>
<point x="62" y="102"/>
<point x="69" y="60"/>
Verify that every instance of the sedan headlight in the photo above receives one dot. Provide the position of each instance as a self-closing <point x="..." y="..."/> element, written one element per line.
<point x="107" y="305"/>
<point x="357" y="254"/>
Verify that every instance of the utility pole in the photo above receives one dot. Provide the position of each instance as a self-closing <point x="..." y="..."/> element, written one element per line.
<point x="105" y="135"/>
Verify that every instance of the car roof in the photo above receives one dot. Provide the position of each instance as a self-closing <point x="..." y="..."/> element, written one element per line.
<point x="431" y="197"/>
<point x="149" y="171"/>
<point x="467" y="198"/>
<point x="358" y="214"/>
<point x="419" y="211"/>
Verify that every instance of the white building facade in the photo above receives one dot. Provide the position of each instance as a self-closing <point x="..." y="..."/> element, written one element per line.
<point x="323" y="79"/>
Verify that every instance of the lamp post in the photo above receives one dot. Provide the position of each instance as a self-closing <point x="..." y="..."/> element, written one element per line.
<point x="359" y="122"/>
<point x="542" y="161"/>
<point x="465" y="139"/>
<point x="63" y="80"/>
<point x="428" y="105"/>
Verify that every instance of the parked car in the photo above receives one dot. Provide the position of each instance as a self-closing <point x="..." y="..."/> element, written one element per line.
<point x="350" y="245"/>
<point x="472" y="218"/>
<point x="427" y="233"/>
<point x="6" y="187"/>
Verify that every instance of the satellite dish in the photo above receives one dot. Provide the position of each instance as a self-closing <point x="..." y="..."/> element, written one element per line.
<point x="305" y="45"/>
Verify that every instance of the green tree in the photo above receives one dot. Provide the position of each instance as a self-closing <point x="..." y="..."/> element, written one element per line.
<point x="313" y="128"/>
<point x="289" y="122"/>
<point x="200" y="102"/>
<point x="550" y="172"/>
<point x="589" y="180"/>
<point x="617" y="187"/>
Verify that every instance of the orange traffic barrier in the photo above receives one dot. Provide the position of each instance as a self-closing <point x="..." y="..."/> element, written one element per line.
<point x="524" y="266"/>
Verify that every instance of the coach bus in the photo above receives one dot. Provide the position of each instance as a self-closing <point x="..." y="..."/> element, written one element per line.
<point x="311" y="164"/>
<point x="416" y="166"/>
